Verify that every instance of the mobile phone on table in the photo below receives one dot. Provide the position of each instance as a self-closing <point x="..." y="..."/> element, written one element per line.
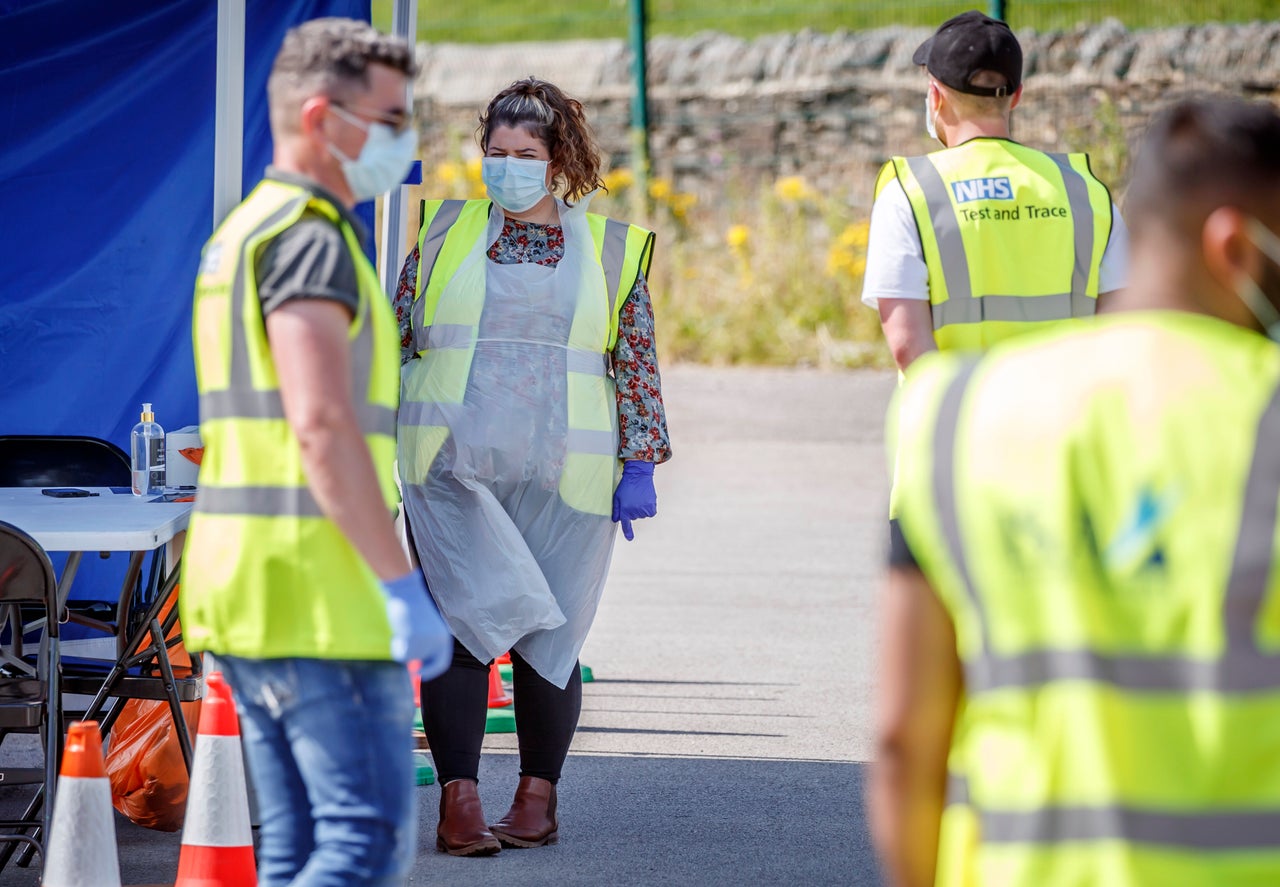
<point x="66" y="492"/>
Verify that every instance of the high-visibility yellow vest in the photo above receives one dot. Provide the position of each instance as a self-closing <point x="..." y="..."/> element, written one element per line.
<point x="1097" y="510"/>
<point x="1012" y="237"/>
<point x="265" y="574"/>
<point x="444" y="337"/>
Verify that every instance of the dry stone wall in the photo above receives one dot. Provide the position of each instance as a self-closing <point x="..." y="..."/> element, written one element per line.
<point x="831" y="107"/>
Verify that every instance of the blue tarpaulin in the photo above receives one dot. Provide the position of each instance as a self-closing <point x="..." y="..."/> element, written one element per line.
<point x="106" y="187"/>
<point x="106" y="190"/>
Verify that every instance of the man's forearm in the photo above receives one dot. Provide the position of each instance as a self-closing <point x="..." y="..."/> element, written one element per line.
<point x="340" y="473"/>
<point x="309" y="343"/>
<point x="919" y="691"/>
<point x="908" y="329"/>
<point x="906" y="802"/>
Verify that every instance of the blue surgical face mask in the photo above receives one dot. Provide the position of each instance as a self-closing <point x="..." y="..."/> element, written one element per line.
<point x="1258" y="302"/>
<point x="384" y="160"/>
<point x="514" y="183"/>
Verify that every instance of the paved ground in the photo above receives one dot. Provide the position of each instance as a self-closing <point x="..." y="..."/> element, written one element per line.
<point x="724" y="740"/>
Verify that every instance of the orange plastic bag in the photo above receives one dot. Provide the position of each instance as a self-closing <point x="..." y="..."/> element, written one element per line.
<point x="144" y="764"/>
<point x="144" y="760"/>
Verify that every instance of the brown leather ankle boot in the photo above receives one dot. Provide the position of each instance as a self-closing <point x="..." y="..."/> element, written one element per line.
<point x="531" y="821"/>
<point x="462" y="831"/>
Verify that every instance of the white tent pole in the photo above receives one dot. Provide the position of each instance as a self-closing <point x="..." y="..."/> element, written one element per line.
<point x="228" y="133"/>
<point x="395" y="210"/>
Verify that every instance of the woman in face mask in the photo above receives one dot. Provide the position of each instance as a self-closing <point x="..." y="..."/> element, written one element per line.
<point x="531" y="419"/>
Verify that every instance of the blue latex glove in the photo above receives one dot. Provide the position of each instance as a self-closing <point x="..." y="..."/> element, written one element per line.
<point x="417" y="630"/>
<point x="635" y="496"/>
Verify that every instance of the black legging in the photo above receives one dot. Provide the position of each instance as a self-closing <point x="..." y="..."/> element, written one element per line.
<point x="454" y="707"/>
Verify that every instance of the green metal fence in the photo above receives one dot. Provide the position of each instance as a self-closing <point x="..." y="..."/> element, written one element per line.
<point x="491" y="21"/>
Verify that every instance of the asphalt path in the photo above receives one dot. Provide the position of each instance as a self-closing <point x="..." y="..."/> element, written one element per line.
<point x="725" y="737"/>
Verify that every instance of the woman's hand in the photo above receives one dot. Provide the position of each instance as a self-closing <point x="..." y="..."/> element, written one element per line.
<point x="635" y="496"/>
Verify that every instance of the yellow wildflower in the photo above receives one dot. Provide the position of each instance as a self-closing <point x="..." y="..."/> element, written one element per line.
<point x="659" y="189"/>
<point x="447" y="173"/>
<point x="619" y="179"/>
<point x="737" y="236"/>
<point x="854" y="235"/>
<point x="473" y="170"/>
<point x="792" y="189"/>
<point x="682" y="202"/>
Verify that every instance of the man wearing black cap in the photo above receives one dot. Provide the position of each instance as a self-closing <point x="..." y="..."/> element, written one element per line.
<point x="986" y="238"/>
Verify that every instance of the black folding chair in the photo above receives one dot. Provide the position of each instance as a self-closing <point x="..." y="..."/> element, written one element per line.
<point x="29" y="692"/>
<point x="134" y="621"/>
<point x="33" y="460"/>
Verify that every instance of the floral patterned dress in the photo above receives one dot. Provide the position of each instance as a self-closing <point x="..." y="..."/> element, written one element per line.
<point x="642" y="420"/>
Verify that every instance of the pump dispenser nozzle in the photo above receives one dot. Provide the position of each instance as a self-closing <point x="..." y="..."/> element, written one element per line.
<point x="147" y="414"/>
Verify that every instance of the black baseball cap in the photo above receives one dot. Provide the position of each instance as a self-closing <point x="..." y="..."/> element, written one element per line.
<point x="968" y="43"/>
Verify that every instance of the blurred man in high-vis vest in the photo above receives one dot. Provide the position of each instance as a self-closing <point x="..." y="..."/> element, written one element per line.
<point x="293" y="573"/>
<point x="986" y="238"/>
<point x="1081" y="650"/>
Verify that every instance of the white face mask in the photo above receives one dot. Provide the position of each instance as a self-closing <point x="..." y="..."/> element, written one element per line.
<point x="384" y="160"/>
<point x="514" y="183"/>
<point x="1259" y="305"/>
<point x="930" y="120"/>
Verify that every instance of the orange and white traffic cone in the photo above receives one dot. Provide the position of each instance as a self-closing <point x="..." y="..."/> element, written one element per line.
<point x="82" y="839"/>
<point x="498" y="697"/>
<point x="217" y="843"/>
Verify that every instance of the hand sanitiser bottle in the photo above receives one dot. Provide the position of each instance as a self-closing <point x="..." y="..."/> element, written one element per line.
<point x="146" y="453"/>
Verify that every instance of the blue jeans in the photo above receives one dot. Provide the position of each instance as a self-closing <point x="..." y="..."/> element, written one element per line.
<point x="330" y="749"/>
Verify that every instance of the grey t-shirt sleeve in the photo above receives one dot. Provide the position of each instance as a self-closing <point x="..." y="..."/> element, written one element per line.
<point x="900" y="554"/>
<point x="308" y="260"/>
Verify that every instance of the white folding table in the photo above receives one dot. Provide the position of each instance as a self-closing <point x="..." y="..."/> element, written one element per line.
<point x="105" y="522"/>
<point x="111" y="522"/>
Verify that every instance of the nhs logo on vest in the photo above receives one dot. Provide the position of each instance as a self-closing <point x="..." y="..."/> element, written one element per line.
<point x="982" y="189"/>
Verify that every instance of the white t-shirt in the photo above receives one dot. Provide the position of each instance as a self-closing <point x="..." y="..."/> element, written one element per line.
<point x="895" y="258"/>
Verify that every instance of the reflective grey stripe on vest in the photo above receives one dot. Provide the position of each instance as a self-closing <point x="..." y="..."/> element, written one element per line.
<point x="946" y="229"/>
<point x="1192" y="830"/>
<point x="613" y="253"/>
<point x="1255" y="558"/>
<point x="443" y="415"/>
<point x="258" y="501"/>
<point x="241" y="400"/>
<point x="944" y="485"/>
<point x="1082" y="222"/>
<point x="445" y="335"/>
<point x="1023" y="309"/>
<point x="375" y="419"/>
<point x="599" y="443"/>
<point x="1242" y="669"/>
<point x="372" y="418"/>
<point x="428" y="254"/>
<point x="593" y="363"/>
<point x="1199" y="830"/>
<point x="961" y="305"/>
<point x="427" y="415"/>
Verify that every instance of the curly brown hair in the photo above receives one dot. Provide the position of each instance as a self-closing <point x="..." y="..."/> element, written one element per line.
<point x="545" y="112"/>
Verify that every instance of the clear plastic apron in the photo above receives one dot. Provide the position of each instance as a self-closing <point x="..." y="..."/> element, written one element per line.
<point x="509" y="563"/>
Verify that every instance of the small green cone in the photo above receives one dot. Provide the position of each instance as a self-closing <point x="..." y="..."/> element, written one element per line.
<point x="501" y="720"/>
<point x="587" y="677"/>
<point x="417" y="718"/>
<point x="422" y="768"/>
